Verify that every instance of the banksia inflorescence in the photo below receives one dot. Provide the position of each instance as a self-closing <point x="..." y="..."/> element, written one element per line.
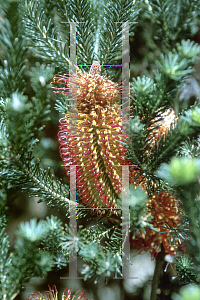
<point x="95" y="148"/>
<point x="164" y="207"/>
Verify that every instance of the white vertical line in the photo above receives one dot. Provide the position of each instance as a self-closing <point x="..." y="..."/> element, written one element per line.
<point x="72" y="82"/>
<point x="125" y="221"/>
<point x="73" y="226"/>
<point x="125" y="78"/>
<point x="73" y="132"/>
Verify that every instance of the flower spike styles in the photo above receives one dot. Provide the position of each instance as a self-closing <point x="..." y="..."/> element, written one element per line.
<point x="53" y="295"/>
<point x="67" y="295"/>
<point x="95" y="150"/>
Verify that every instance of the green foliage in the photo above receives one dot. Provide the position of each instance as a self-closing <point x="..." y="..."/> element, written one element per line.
<point x="52" y="242"/>
<point x="176" y="232"/>
<point x="79" y="11"/>
<point x="110" y="44"/>
<point x="161" y="24"/>
<point x="22" y="117"/>
<point x="25" y="261"/>
<point x="190" y="148"/>
<point x="98" y="246"/>
<point x="37" y="182"/>
<point x="37" y="251"/>
<point x="173" y="19"/>
<point x="186" y="270"/>
<point x="41" y="35"/>
<point x="150" y="100"/>
<point x="40" y="29"/>
<point x="149" y="95"/>
<point x="12" y="56"/>
<point x="139" y="214"/>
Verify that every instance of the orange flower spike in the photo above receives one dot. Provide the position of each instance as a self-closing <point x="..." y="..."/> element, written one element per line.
<point x="163" y="207"/>
<point x="95" y="151"/>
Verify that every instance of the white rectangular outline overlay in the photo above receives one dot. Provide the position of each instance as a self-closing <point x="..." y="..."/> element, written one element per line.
<point x="125" y="168"/>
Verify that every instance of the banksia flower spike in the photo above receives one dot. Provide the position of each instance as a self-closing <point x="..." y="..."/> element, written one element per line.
<point x="163" y="208"/>
<point x="95" y="149"/>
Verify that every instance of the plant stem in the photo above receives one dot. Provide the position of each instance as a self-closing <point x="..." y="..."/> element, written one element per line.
<point x="159" y="265"/>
